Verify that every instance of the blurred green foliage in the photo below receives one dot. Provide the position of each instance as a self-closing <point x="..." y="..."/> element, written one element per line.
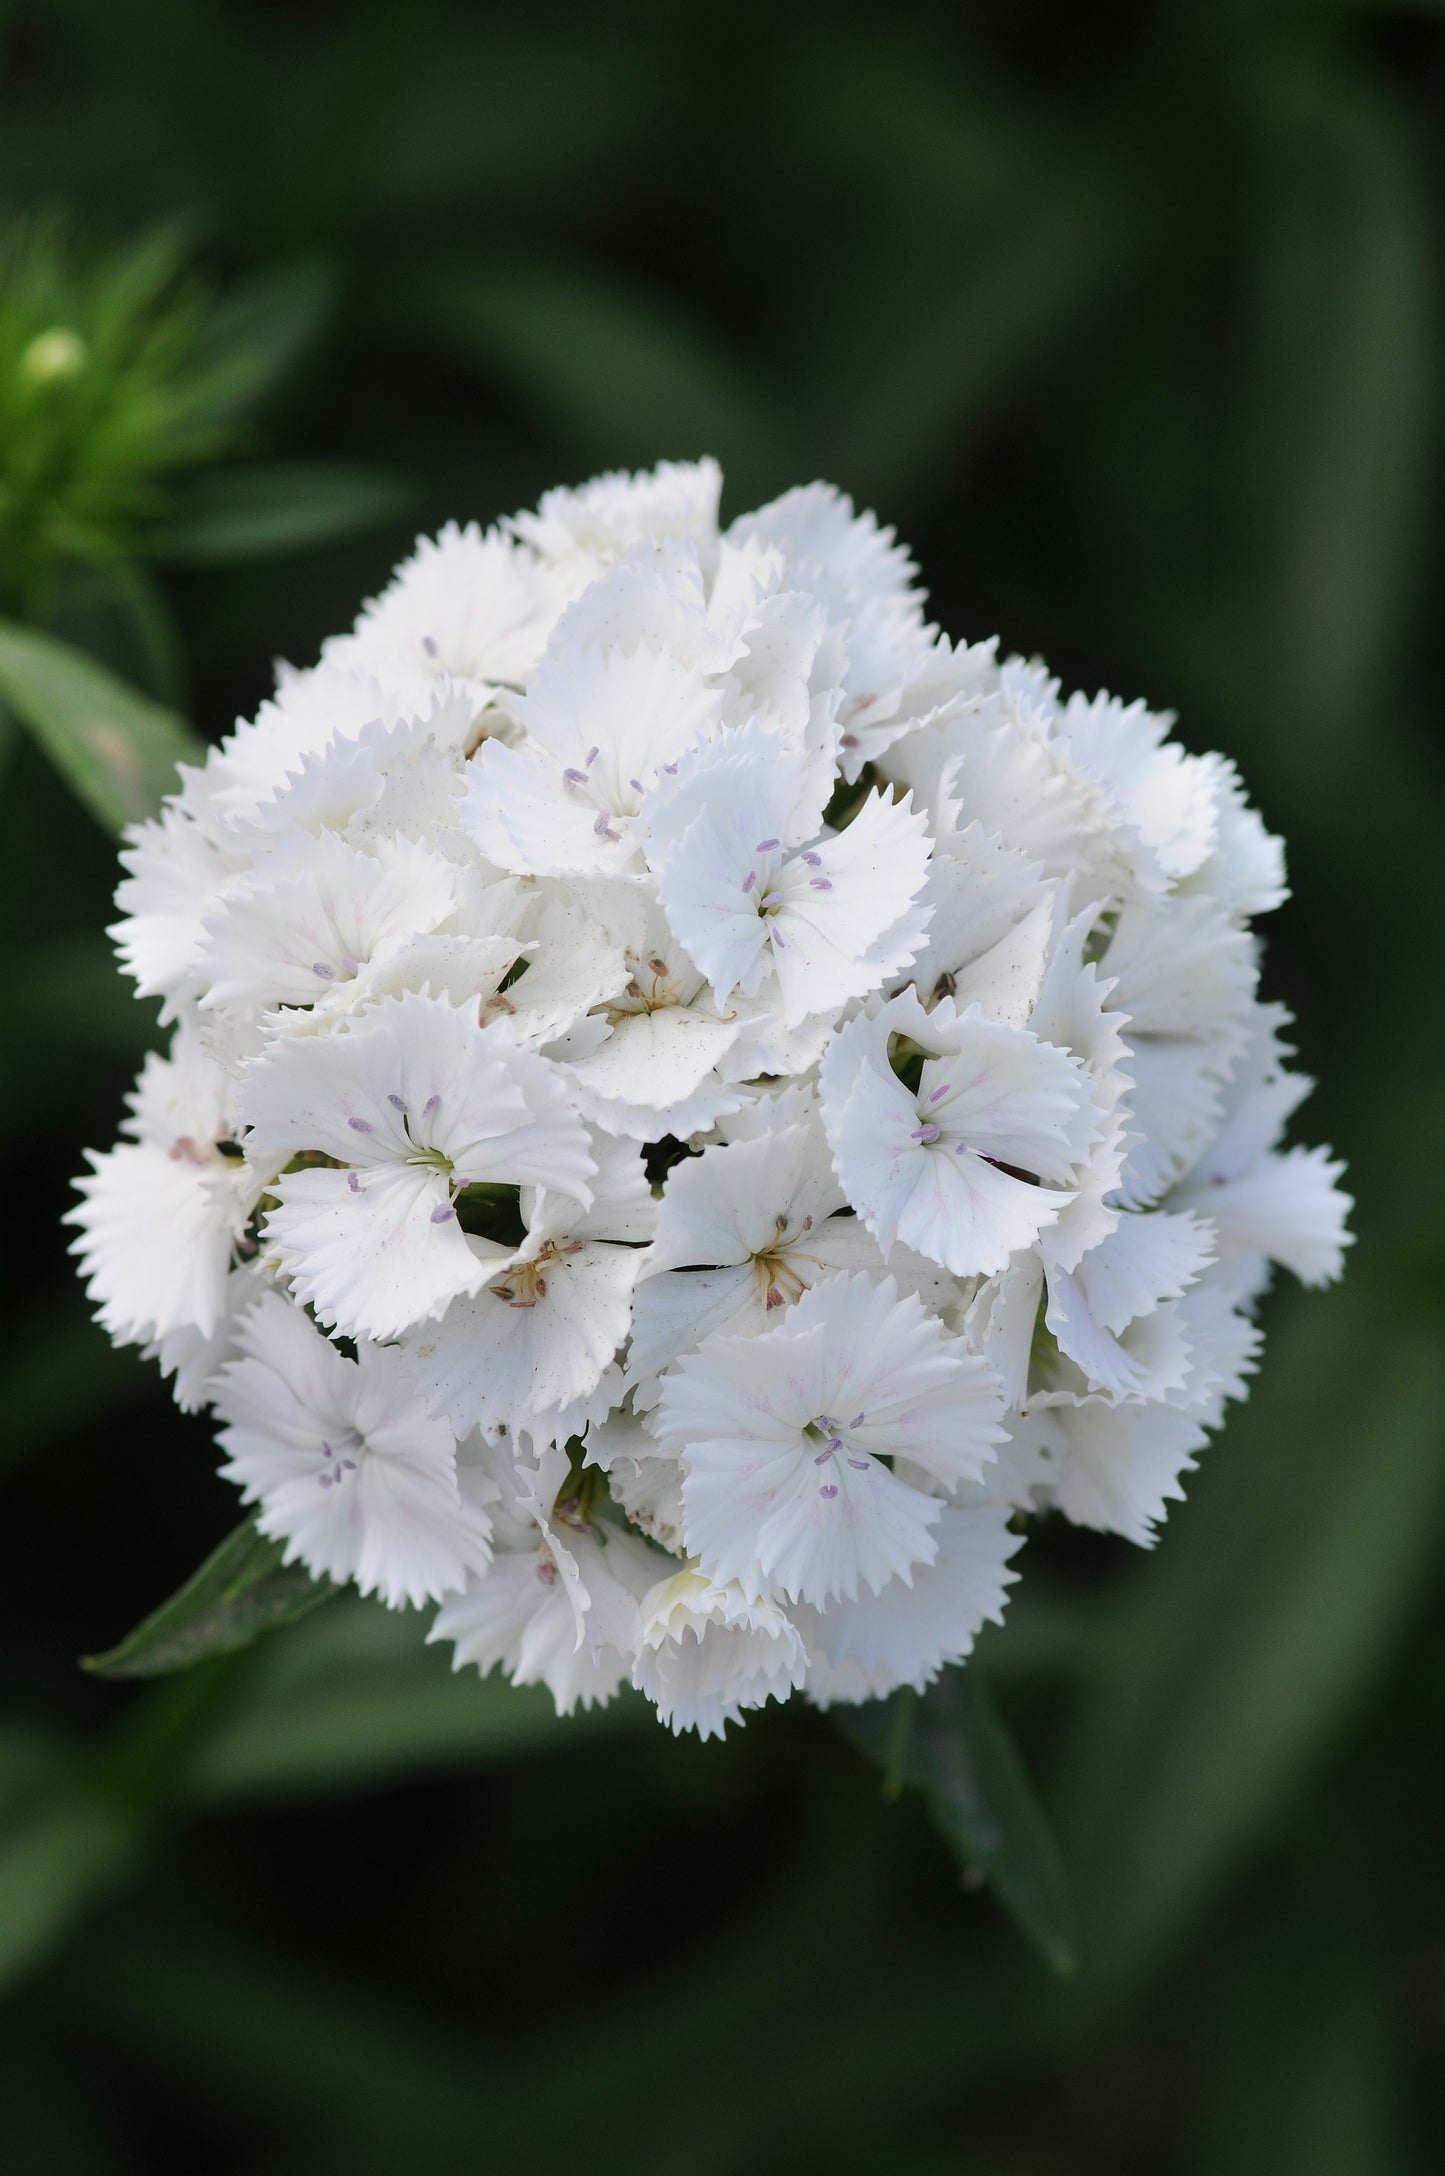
<point x="1130" y="317"/>
<point x="97" y="401"/>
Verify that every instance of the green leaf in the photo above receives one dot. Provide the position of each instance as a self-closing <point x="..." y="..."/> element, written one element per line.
<point x="74" y="1825"/>
<point x="327" y="2057"/>
<point x="260" y="334"/>
<point x="56" y="1859"/>
<point x="187" y="67"/>
<point x="1333" y="460"/>
<point x="1306" y="2081"/>
<point x="117" y="751"/>
<point x="621" y="375"/>
<point x="60" y="1847"/>
<point x="268" y="508"/>
<point x="982" y="240"/>
<point x="117" y="615"/>
<point x="333" y="171"/>
<point x="356" y="1697"/>
<point x="242" y="1590"/>
<point x="1245" y="1648"/>
<point x="949" y="1745"/>
<point x="577" y="114"/>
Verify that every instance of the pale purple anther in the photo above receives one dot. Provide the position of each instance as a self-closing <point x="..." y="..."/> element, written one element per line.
<point x="575" y="778"/>
<point x="859" y="1465"/>
<point x="590" y="758"/>
<point x="765" y="846"/>
<point x="814" y="861"/>
<point x="939" y="1092"/>
<point x="830" y="1490"/>
<point x="429" y="1106"/>
<point x="750" y="880"/>
<point x="353" y="1182"/>
<point x="397" y="1104"/>
<point x="820" y="883"/>
<point x="857" y="1420"/>
<point x="359" y="1125"/>
<point x="824" y="1455"/>
<point x="924" y="1133"/>
<point x="443" y="1213"/>
<point x="637" y="785"/>
<point x="603" y="826"/>
<point x="319" y="967"/>
<point x="343" y="1466"/>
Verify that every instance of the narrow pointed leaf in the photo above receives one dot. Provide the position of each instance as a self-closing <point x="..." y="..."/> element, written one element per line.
<point x="1038" y="226"/>
<point x="262" y="331"/>
<point x="60" y="1848"/>
<point x="618" y="372"/>
<point x="332" y="172"/>
<point x="355" y="1698"/>
<point x="242" y="1590"/>
<point x="1247" y="1648"/>
<point x="1305" y="2074"/>
<point x="1334" y="458"/>
<point x="56" y="1860"/>
<point x="951" y="1746"/>
<point x="268" y="508"/>
<point x="117" y="751"/>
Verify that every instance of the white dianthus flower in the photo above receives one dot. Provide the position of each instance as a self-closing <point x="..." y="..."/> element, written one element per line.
<point x="164" y="1211"/>
<point x="865" y="1648"/>
<point x="344" y="1463"/>
<point x="707" y="1652"/>
<point x="402" y="1112"/>
<point x="697" y="1104"/>
<point x="532" y="1347"/>
<point x="785" y="1438"/>
<point x="974" y="1160"/>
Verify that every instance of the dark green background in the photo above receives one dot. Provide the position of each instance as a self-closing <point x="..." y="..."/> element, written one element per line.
<point x="1129" y="317"/>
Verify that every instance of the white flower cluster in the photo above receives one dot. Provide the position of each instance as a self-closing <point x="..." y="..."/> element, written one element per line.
<point x="695" y="1102"/>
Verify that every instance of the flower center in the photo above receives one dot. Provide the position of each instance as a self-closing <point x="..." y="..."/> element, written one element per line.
<point x="777" y="1273"/>
<point x="831" y="1439"/>
<point x="778" y="1279"/>
<point x="526" y="1282"/>
<point x="431" y="1159"/>
<point x="652" y="986"/>
<point x="338" y="1462"/>
<point x="928" y="1130"/>
<point x="620" y="799"/>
